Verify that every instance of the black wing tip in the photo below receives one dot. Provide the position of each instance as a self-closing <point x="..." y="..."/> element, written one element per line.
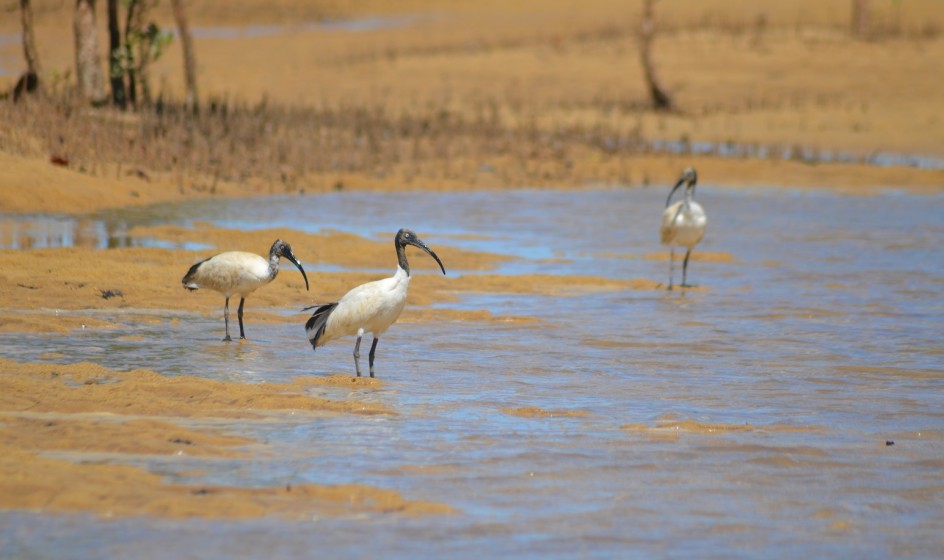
<point x="311" y="322"/>
<point x="316" y="324"/>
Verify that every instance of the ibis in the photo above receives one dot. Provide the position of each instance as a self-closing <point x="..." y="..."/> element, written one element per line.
<point x="683" y="223"/>
<point x="370" y="307"/>
<point x="239" y="273"/>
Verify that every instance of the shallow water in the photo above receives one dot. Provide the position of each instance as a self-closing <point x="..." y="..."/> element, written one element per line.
<point x="746" y="418"/>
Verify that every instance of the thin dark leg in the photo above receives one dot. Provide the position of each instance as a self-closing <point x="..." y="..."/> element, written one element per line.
<point x="357" y="352"/>
<point x="685" y="268"/>
<point x="226" y="320"/>
<point x="239" y="313"/>
<point x="373" y="348"/>
<point x="671" y="266"/>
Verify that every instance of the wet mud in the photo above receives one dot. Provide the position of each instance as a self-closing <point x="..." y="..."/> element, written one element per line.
<point x="547" y="395"/>
<point x="549" y="371"/>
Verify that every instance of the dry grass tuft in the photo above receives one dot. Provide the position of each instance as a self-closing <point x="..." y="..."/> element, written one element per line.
<point x="490" y="94"/>
<point x="282" y="145"/>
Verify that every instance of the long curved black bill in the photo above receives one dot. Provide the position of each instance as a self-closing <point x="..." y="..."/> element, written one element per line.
<point x="302" y="270"/>
<point x="430" y="252"/>
<point x="675" y="188"/>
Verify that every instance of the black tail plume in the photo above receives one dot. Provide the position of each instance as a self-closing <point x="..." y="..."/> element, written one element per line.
<point x="315" y="326"/>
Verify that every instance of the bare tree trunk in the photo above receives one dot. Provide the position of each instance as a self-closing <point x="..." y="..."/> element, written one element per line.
<point x="190" y="65"/>
<point x="133" y="31"/>
<point x="144" y="62"/>
<point x="88" y="69"/>
<point x="140" y="42"/>
<point x="661" y="99"/>
<point x="116" y="62"/>
<point x="860" y="18"/>
<point x="29" y="81"/>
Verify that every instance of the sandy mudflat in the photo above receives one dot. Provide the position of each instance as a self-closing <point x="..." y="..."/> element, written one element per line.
<point x="882" y="96"/>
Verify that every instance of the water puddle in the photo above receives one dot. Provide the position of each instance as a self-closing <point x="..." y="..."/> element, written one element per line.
<point x="730" y="150"/>
<point x="749" y="416"/>
<point x="25" y="231"/>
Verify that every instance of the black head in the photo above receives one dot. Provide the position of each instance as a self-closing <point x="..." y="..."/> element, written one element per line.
<point x="688" y="177"/>
<point x="283" y="249"/>
<point x="407" y="237"/>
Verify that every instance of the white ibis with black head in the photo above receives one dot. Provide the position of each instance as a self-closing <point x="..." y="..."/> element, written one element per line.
<point x="370" y="307"/>
<point x="239" y="273"/>
<point x="683" y="223"/>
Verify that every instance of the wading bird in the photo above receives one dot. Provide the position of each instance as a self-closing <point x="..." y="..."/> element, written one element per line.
<point x="683" y="223"/>
<point x="370" y="307"/>
<point x="238" y="273"/>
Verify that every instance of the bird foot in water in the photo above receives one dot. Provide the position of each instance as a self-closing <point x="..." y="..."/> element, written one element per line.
<point x="227" y="339"/>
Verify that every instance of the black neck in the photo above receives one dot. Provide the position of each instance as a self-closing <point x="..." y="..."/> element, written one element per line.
<point x="401" y="256"/>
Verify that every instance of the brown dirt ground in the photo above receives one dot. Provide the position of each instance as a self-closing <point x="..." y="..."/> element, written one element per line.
<point x="784" y="74"/>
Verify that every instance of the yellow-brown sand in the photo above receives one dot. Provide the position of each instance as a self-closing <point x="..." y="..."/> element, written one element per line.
<point x="331" y="247"/>
<point x="61" y="289"/>
<point x="741" y="72"/>
<point x="542" y="64"/>
<point x="537" y="412"/>
<point x="32" y="184"/>
<point x="86" y="408"/>
<point x="109" y="433"/>
<point x="91" y="388"/>
<point x="669" y="424"/>
<point x="39" y="484"/>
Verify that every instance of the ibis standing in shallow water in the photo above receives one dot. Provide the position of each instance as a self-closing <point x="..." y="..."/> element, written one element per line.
<point x="370" y="307"/>
<point x="683" y="223"/>
<point x="239" y="273"/>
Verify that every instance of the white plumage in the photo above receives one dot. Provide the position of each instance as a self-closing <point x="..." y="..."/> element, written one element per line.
<point x="373" y="307"/>
<point x="683" y="223"/>
<point x="369" y="308"/>
<point x="239" y="273"/>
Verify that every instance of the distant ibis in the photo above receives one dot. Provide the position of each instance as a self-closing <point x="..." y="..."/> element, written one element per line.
<point x="239" y="273"/>
<point x="370" y="307"/>
<point x="683" y="223"/>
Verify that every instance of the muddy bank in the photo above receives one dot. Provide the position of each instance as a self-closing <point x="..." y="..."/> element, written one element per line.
<point x="91" y="388"/>
<point x="32" y="185"/>
<point x="38" y="484"/>
<point x="491" y="96"/>
<point x="61" y="289"/>
<point x="526" y="101"/>
<point x="87" y="409"/>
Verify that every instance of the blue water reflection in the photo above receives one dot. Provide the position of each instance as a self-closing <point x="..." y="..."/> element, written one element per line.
<point x="820" y="333"/>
